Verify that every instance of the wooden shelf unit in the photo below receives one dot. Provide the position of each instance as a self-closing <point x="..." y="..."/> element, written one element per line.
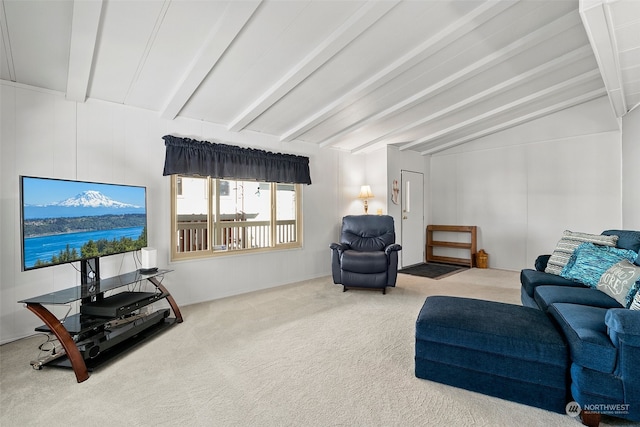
<point x="470" y="246"/>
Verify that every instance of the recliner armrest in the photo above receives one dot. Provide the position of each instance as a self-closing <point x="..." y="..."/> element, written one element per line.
<point x="541" y="262"/>
<point x="391" y="248"/>
<point x="623" y="325"/>
<point x="339" y="246"/>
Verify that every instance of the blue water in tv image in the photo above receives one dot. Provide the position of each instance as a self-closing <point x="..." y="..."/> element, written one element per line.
<point x="65" y="221"/>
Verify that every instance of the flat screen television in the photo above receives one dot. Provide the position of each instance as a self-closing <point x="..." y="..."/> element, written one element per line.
<point x="64" y="221"/>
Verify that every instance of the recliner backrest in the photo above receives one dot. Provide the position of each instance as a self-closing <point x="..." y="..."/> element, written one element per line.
<point x="368" y="233"/>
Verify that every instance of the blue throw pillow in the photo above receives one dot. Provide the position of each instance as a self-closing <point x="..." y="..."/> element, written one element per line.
<point x="590" y="261"/>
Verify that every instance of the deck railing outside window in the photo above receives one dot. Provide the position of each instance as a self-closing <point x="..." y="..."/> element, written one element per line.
<point x="232" y="235"/>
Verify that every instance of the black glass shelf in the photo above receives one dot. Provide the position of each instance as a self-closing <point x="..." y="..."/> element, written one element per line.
<point x="66" y="296"/>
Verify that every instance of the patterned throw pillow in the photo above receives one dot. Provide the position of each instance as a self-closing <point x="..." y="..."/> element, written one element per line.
<point x="635" y="305"/>
<point x="620" y="282"/>
<point x="567" y="245"/>
<point x="590" y="261"/>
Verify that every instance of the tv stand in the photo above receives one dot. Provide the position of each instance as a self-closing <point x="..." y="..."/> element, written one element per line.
<point x="90" y="340"/>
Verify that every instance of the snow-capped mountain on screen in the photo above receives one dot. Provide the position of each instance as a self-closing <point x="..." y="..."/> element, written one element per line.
<point x="92" y="199"/>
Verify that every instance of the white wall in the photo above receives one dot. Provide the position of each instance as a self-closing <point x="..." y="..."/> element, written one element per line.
<point x="42" y="134"/>
<point x="522" y="187"/>
<point x="631" y="170"/>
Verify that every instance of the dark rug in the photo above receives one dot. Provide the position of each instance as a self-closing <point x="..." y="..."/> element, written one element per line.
<point x="432" y="270"/>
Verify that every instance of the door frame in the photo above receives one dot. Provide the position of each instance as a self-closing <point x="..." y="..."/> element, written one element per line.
<point x="417" y="209"/>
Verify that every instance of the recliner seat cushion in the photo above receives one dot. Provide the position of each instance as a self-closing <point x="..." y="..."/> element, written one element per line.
<point x="586" y="333"/>
<point x="364" y="262"/>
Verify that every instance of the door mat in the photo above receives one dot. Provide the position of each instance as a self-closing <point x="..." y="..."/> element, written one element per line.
<point x="433" y="271"/>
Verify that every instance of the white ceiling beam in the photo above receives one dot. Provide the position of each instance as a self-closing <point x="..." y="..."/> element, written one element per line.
<point x="226" y="30"/>
<point x="578" y="80"/>
<point x="597" y="93"/>
<point x="460" y="27"/>
<point x="147" y="49"/>
<point x="596" y="18"/>
<point x="364" y="17"/>
<point x="545" y="68"/>
<point x="556" y="27"/>
<point x="4" y="29"/>
<point x="84" y="33"/>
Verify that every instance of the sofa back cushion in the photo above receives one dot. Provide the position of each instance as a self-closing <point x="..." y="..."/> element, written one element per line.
<point x="627" y="239"/>
<point x="567" y="245"/>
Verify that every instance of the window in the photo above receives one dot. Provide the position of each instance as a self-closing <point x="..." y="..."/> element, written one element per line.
<point x="221" y="216"/>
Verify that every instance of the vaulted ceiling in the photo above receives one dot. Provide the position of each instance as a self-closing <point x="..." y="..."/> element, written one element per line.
<point x="352" y="75"/>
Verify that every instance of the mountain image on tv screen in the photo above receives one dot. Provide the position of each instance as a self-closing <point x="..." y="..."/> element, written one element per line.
<point x="65" y="221"/>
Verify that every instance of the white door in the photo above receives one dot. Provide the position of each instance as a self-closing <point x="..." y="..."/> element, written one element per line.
<point x="413" y="231"/>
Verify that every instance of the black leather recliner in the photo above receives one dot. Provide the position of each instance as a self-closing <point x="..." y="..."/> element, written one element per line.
<point x="367" y="255"/>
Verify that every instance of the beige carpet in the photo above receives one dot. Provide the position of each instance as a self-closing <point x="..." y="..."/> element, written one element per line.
<point x="304" y="354"/>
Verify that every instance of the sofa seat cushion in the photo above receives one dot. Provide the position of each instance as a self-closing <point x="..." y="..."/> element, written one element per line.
<point x="547" y="295"/>
<point x="364" y="262"/>
<point x="531" y="279"/>
<point x="586" y="333"/>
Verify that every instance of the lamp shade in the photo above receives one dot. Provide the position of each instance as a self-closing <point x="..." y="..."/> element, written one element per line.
<point x="365" y="192"/>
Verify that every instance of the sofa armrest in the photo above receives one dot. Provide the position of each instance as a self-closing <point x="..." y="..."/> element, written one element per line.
<point x="623" y="326"/>
<point x="392" y="248"/>
<point x="624" y="330"/>
<point x="541" y="262"/>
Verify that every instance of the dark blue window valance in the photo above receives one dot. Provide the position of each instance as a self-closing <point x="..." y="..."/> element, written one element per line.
<point x="190" y="157"/>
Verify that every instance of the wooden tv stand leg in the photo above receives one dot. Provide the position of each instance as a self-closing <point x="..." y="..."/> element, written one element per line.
<point x="54" y="325"/>
<point x="172" y="302"/>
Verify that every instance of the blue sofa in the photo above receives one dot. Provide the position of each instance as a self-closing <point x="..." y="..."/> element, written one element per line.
<point x="602" y="335"/>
